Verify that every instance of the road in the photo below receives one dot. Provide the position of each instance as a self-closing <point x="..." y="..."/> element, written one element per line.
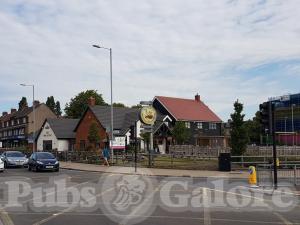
<point x="100" y="198"/>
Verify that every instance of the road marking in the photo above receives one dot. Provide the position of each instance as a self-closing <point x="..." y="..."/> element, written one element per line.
<point x="207" y="218"/>
<point x="133" y="213"/>
<point x="4" y="218"/>
<point x="70" y="208"/>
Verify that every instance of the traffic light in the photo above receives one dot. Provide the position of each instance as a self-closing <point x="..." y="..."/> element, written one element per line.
<point x="266" y="116"/>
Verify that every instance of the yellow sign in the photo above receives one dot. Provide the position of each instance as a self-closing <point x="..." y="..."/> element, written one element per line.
<point x="252" y="176"/>
<point x="148" y="115"/>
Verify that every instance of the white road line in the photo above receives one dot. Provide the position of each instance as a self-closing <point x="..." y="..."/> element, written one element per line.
<point x="70" y="208"/>
<point x="207" y="218"/>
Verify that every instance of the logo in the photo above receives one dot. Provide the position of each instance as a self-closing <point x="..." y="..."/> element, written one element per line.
<point x="129" y="198"/>
<point x="148" y="115"/>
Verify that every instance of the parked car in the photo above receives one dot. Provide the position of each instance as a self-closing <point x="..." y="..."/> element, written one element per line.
<point x="1" y="165"/>
<point x="43" y="161"/>
<point x="14" y="159"/>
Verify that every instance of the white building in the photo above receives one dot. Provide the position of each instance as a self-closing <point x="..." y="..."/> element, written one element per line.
<point x="57" y="134"/>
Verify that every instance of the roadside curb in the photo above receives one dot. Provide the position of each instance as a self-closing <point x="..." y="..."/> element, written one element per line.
<point x="151" y="175"/>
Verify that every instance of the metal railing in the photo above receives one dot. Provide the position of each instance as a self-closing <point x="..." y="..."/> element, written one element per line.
<point x="287" y="173"/>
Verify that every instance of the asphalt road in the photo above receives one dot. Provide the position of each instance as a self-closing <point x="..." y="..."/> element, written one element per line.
<point x="100" y="198"/>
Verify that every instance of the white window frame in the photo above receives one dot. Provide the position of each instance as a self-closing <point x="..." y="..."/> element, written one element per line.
<point x="187" y="124"/>
<point x="199" y="125"/>
<point x="212" y="126"/>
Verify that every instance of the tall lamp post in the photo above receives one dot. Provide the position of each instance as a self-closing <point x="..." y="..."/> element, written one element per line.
<point x="33" y="111"/>
<point x="111" y="101"/>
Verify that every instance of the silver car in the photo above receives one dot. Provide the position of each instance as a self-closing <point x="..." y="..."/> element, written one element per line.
<point x="1" y="165"/>
<point x="14" y="158"/>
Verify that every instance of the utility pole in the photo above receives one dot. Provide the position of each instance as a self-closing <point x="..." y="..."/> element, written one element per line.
<point x="272" y="106"/>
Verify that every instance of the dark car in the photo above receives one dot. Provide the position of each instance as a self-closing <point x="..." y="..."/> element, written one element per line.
<point x="39" y="161"/>
<point x="14" y="159"/>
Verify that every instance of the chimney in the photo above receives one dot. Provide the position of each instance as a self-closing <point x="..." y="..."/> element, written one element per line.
<point x="197" y="97"/>
<point x="36" y="103"/>
<point x="4" y="113"/>
<point x="91" y="101"/>
<point x="13" y="111"/>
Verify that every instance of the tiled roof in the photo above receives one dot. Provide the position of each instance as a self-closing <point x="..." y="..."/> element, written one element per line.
<point x="188" y="109"/>
<point x="123" y="117"/>
<point x="63" y="128"/>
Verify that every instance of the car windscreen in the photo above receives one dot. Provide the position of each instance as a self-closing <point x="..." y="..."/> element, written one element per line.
<point x="15" y="154"/>
<point x="44" y="155"/>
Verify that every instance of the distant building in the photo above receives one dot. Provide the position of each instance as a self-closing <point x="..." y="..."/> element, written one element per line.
<point x="204" y="124"/>
<point x="17" y="127"/>
<point x="57" y="134"/>
<point x="287" y="119"/>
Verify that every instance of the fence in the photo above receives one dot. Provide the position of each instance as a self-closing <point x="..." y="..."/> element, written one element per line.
<point x="287" y="173"/>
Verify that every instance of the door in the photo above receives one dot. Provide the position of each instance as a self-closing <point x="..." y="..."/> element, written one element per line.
<point x="47" y="145"/>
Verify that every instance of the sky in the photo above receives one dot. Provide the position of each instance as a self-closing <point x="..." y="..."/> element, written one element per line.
<point x="224" y="50"/>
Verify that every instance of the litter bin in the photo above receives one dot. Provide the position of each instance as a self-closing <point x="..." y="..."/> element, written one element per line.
<point x="225" y="162"/>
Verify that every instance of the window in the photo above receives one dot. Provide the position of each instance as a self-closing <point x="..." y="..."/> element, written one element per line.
<point x="21" y="131"/>
<point x="82" y="145"/>
<point x="24" y="120"/>
<point x="200" y="125"/>
<point x="212" y="126"/>
<point x="12" y="122"/>
<point x="187" y="124"/>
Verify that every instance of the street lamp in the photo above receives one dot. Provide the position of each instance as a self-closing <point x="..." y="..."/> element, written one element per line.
<point x="33" y="111"/>
<point x="111" y="101"/>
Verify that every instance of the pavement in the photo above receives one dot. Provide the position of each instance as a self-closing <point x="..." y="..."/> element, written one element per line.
<point x="164" y="200"/>
<point x="154" y="171"/>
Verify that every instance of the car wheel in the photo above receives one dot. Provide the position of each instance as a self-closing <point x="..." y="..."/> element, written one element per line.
<point x="5" y="165"/>
<point x="29" y="168"/>
<point x="57" y="170"/>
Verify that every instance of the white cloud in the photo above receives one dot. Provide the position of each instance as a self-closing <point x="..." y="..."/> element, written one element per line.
<point x="166" y="47"/>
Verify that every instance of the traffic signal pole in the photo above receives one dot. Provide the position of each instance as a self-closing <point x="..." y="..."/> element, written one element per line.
<point x="274" y="145"/>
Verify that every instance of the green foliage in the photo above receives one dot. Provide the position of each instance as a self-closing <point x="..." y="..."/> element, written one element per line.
<point x="180" y="133"/>
<point x="77" y="105"/>
<point x="51" y="103"/>
<point x="93" y="135"/>
<point x="118" y="104"/>
<point x="239" y="137"/>
<point x="57" y="108"/>
<point x="23" y="103"/>
<point x="54" y="106"/>
<point x="254" y="129"/>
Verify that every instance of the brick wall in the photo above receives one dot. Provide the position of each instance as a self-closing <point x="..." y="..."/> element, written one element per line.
<point x="83" y="130"/>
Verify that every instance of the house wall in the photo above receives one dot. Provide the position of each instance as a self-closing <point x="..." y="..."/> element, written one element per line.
<point x="83" y="130"/>
<point x="63" y="145"/>
<point x="47" y="134"/>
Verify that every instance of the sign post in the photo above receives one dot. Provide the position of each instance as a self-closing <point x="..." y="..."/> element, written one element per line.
<point x="148" y="117"/>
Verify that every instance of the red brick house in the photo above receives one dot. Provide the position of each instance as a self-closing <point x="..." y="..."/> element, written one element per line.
<point x="83" y="126"/>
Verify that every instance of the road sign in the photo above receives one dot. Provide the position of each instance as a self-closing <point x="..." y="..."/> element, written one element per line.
<point x="146" y="102"/>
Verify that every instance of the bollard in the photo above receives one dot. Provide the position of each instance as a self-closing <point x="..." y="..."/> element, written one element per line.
<point x="252" y="177"/>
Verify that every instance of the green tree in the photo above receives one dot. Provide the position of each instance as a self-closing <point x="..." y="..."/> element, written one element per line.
<point x="238" y="132"/>
<point x="77" y="105"/>
<point x="254" y="129"/>
<point x="119" y="104"/>
<point x="57" y="108"/>
<point x="51" y="103"/>
<point x="23" y="103"/>
<point x="180" y="133"/>
<point x="93" y="135"/>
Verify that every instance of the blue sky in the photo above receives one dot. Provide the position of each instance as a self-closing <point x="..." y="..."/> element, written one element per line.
<point x="223" y="50"/>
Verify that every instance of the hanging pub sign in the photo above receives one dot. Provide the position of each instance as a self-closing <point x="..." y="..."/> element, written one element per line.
<point x="148" y="115"/>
